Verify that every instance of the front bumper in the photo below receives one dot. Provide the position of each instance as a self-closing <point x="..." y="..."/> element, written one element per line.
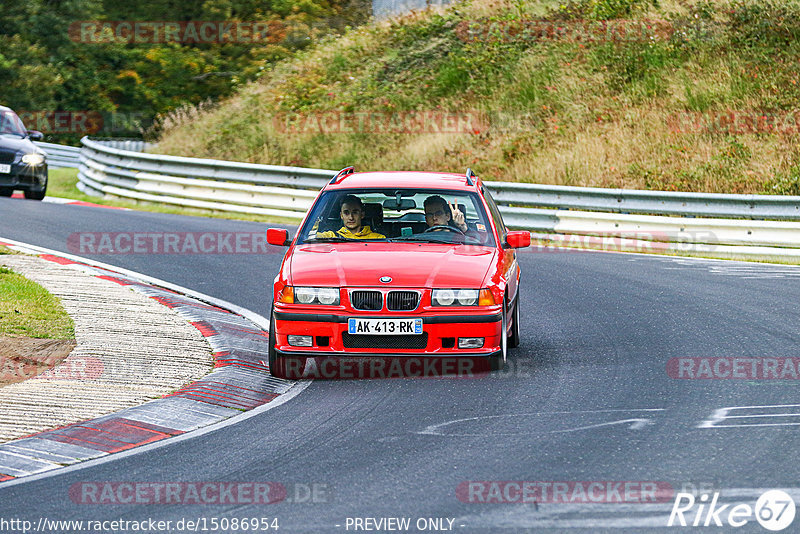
<point x="25" y="177"/>
<point x="439" y="339"/>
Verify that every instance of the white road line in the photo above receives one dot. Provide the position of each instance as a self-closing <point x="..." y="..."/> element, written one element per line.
<point x="722" y="414"/>
<point x="433" y="430"/>
<point x="636" y="424"/>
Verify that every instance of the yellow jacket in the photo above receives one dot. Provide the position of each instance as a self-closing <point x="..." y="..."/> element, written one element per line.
<point x="365" y="233"/>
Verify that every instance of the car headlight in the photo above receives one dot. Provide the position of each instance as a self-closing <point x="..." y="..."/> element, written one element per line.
<point x="328" y="296"/>
<point x="458" y="297"/>
<point x="33" y="159"/>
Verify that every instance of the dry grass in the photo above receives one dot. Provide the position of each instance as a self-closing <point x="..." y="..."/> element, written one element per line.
<point x="582" y="127"/>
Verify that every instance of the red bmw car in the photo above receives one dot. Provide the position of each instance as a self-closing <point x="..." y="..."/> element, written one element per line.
<point x="397" y="265"/>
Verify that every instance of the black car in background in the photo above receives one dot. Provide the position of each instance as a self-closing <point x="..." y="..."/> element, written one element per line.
<point x="23" y="165"/>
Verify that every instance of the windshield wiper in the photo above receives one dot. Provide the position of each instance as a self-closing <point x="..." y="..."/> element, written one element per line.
<point x="341" y="240"/>
<point x="328" y="240"/>
<point x="425" y="239"/>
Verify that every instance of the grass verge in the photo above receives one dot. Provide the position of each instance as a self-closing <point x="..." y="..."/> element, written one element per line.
<point x="27" y="309"/>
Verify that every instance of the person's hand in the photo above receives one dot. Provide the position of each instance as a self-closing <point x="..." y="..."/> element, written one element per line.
<point x="458" y="217"/>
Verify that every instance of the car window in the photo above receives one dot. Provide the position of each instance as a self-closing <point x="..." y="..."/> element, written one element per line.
<point x="400" y="215"/>
<point x="495" y="211"/>
<point x="10" y="124"/>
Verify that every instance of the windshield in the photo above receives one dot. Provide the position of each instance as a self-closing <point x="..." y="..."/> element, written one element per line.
<point x="11" y="125"/>
<point x="396" y="215"/>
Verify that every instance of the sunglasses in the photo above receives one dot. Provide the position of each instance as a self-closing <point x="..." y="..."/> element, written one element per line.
<point x="437" y="213"/>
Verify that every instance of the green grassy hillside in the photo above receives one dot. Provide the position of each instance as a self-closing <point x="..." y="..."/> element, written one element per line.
<point x="676" y="95"/>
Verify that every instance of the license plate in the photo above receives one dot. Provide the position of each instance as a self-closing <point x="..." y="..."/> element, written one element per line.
<point x="384" y="327"/>
<point x="5" y="168"/>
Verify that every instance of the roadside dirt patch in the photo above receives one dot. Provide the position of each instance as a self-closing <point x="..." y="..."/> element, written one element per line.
<point x="22" y="358"/>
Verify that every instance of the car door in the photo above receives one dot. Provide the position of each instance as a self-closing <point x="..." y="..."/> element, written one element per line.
<point x="508" y="262"/>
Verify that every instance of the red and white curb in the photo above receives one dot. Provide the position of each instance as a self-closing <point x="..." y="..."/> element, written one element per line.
<point x="239" y="387"/>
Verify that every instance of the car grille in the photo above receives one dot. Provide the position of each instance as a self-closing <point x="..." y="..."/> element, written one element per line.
<point x="367" y="300"/>
<point x="353" y="341"/>
<point x="402" y="300"/>
<point x="7" y="157"/>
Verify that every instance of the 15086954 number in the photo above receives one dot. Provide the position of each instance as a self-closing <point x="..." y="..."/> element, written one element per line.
<point x="381" y="327"/>
<point x="235" y="524"/>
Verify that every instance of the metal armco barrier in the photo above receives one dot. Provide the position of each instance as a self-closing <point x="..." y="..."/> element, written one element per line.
<point x="627" y="214"/>
<point x="382" y="9"/>
<point x="660" y="202"/>
<point x="60" y="156"/>
<point x="136" y="145"/>
<point x="65" y="156"/>
<point x="199" y="183"/>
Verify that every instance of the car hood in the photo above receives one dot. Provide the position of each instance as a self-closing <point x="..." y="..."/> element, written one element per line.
<point x="408" y="264"/>
<point x="17" y="144"/>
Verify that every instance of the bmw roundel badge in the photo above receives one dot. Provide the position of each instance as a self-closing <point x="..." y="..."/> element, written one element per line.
<point x="386" y="279"/>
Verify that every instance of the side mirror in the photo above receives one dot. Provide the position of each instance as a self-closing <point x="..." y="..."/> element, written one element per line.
<point x="278" y="237"/>
<point x="35" y="135"/>
<point x="518" y="239"/>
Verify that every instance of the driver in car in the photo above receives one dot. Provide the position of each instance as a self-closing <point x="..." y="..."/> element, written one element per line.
<point x="352" y="213"/>
<point x="438" y="212"/>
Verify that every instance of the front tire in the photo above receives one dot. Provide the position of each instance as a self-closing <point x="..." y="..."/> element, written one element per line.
<point x="496" y="363"/>
<point x="287" y="367"/>
<point x="514" y="337"/>
<point x="275" y="369"/>
<point x="6" y="191"/>
<point x="37" y="194"/>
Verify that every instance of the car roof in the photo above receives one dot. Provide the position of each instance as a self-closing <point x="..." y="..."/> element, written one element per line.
<point x="3" y="108"/>
<point x="400" y="179"/>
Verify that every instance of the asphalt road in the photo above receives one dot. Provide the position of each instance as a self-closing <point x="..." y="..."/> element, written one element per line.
<point x="586" y="398"/>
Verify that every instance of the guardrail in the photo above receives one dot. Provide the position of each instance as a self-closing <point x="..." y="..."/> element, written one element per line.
<point x="65" y="156"/>
<point x="134" y="145"/>
<point x="660" y="202"/>
<point x="289" y="191"/>
<point x="60" y="156"/>
<point x="199" y="183"/>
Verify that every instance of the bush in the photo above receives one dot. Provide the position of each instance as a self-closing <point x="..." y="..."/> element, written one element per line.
<point x="616" y="9"/>
<point x="785" y="183"/>
<point x="638" y="68"/>
<point x="760" y="22"/>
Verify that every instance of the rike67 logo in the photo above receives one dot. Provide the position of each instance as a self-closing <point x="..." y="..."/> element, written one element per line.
<point x="774" y="510"/>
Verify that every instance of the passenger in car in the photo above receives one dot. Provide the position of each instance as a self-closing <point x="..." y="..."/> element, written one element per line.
<point x="352" y="214"/>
